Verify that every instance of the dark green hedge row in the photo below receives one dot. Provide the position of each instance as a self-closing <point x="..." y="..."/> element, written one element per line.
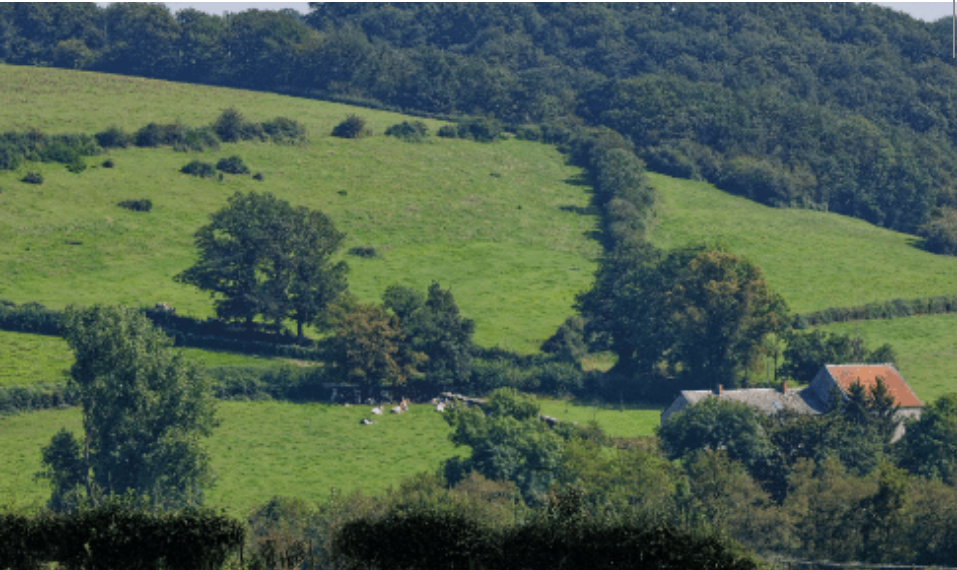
<point x="186" y="331"/>
<point x="265" y="383"/>
<point x="113" y="537"/>
<point x="871" y="311"/>
<point x="14" y="399"/>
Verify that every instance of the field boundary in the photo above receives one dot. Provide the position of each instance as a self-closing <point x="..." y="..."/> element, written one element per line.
<point x="896" y="308"/>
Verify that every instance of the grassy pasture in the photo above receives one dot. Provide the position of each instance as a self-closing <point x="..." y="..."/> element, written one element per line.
<point x="815" y="259"/>
<point x="496" y="223"/>
<point x="926" y="348"/>
<point x="263" y="449"/>
<point x="626" y="421"/>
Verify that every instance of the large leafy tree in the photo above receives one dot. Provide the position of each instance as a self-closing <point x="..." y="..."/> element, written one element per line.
<point x="435" y="327"/>
<point x="262" y="256"/>
<point x="930" y="445"/>
<point x="704" y="314"/>
<point x="145" y="410"/>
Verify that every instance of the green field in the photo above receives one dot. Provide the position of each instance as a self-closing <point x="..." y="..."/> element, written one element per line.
<point x="624" y="421"/>
<point x="815" y="259"/>
<point x="926" y="347"/>
<point x="495" y="222"/>
<point x="263" y="449"/>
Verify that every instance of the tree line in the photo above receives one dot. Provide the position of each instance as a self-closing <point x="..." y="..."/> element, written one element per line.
<point x="848" y="108"/>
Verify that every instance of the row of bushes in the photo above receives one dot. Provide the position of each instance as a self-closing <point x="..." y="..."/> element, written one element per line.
<point x="887" y="310"/>
<point x="116" y="536"/>
<point x="35" y="146"/>
<point x="17" y="399"/>
<point x="479" y="129"/>
<point x="230" y="165"/>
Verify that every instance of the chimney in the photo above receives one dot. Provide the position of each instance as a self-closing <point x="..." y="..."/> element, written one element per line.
<point x="784" y="387"/>
<point x="720" y="389"/>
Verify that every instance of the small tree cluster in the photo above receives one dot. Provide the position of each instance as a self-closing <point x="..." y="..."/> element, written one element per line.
<point x="142" y="205"/>
<point x="32" y="177"/>
<point x="940" y="233"/>
<point x="232" y="165"/>
<point x="200" y="169"/>
<point x="414" y="131"/>
<point x="480" y="129"/>
<point x="353" y="127"/>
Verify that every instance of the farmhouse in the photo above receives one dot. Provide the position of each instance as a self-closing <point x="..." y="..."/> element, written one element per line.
<point x="816" y="397"/>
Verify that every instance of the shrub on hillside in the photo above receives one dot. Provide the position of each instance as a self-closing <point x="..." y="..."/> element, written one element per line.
<point x="142" y="205"/>
<point x="229" y="125"/>
<point x="415" y="131"/>
<point x="283" y="130"/>
<point x="480" y="129"/>
<point x="200" y="169"/>
<point x="447" y="132"/>
<point x="114" y="137"/>
<point x="353" y="127"/>
<point x="363" y="251"/>
<point x="197" y="140"/>
<point x="152" y="135"/>
<point x="259" y="176"/>
<point x="232" y="165"/>
<point x="32" y="178"/>
<point x="940" y="233"/>
<point x="77" y="165"/>
<point x="108" y="163"/>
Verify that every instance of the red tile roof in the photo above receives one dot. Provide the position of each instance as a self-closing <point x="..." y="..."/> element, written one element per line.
<point x="846" y="375"/>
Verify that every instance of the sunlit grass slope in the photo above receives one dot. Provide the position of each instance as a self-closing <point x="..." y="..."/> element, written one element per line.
<point x="814" y="259"/>
<point x="926" y="348"/>
<point x="496" y="223"/>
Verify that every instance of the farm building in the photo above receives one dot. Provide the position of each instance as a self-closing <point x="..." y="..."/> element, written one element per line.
<point x="816" y="397"/>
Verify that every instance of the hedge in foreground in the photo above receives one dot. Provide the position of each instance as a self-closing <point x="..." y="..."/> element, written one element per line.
<point x="113" y="536"/>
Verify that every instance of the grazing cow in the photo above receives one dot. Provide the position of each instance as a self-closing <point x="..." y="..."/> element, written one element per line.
<point x="440" y="407"/>
<point x="377" y="411"/>
<point x="397" y="410"/>
<point x="367" y="422"/>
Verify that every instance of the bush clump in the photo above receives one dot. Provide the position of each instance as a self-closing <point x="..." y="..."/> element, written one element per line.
<point x="479" y="129"/>
<point x="32" y="178"/>
<point x="447" y="132"/>
<point x="259" y="176"/>
<point x="142" y="205"/>
<point x="197" y="140"/>
<point x="108" y="163"/>
<point x="940" y="233"/>
<point x="232" y="165"/>
<point x="200" y="169"/>
<point x="114" y="137"/>
<point x="353" y="127"/>
<point x="415" y="131"/>
<point x="283" y="130"/>
<point x="364" y="251"/>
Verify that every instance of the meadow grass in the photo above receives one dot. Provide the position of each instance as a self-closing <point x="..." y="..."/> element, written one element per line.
<point x="814" y="259"/>
<point x="627" y="420"/>
<point x="262" y="449"/>
<point x="926" y="349"/>
<point x="497" y="223"/>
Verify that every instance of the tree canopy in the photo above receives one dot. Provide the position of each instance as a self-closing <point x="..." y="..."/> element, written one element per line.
<point x="145" y="409"/>
<point x="260" y="256"/>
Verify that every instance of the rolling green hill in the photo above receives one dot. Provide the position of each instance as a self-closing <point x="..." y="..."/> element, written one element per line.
<point x="815" y="259"/>
<point x="497" y="223"/>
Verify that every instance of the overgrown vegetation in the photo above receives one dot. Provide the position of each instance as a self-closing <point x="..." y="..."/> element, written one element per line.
<point x="353" y="127"/>
<point x="141" y="205"/>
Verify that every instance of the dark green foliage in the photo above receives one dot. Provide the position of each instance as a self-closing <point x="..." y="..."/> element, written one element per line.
<point x="152" y="135"/>
<point x="365" y="251"/>
<point x="37" y="396"/>
<point x="886" y="310"/>
<point x="114" y="137"/>
<point x="264" y="257"/>
<point x="702" y="314"/>
<point x="714" y="424"/>
<point x="144" y="410"/>
<point x="259" y="176"/>
<point x="509" y="443"/>
<point x="929" y="447"/>
<point x="568" y="343"/>
<point x="108" y="163"/>
<point x="295" y="384"/>
<point x="807" y="352"/>
<point x="200" y="169"/>
<point x="29" y="317"/>
<point x="415" y="131"/>
<point x="119" y="535"/>
<point x="283" y="130"/>
<point x="229" y="125"/>
<point x="32" y="178"/>
<point x="196" y="140"/>
<point x="353" y="127"/>
<point x="447" y="132"/>
<point x="435" y="328"/>
<point x="232" y="165"/>
<point x="940" y="233"/>
<point x="142" y="205"/>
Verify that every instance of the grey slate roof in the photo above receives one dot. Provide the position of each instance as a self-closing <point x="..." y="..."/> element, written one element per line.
<point x="767" y="400"/>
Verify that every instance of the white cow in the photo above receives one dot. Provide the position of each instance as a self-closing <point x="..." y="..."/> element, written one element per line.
<point x="377" y="411"/>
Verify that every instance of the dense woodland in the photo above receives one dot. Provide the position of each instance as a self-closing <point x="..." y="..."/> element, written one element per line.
<point x="846" y="107"/>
